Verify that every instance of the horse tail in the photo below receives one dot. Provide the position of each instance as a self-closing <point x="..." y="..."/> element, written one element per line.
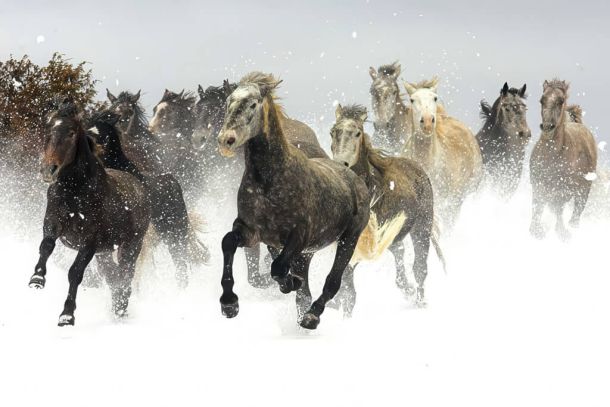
<point x="437" y="247"/>
<point x="197" y="251"/>
<point x="575" y="113"/>
<point x="376" y="239"/>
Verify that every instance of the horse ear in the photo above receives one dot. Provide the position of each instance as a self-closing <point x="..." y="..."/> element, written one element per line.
<point x="411" y="89"/>
<point x="434" y="84"/>
<point x="166" y="94"/>
<point x="522" y="90"/>
<point x="373" y="73"/>
<point x="338" y="111"/>
<point x="181" y="93"/>
<point x="397" y="70"/>
<point x="485" y="109"/>
<point x="504" y="90"/>
<point x="110" y="96"/>
<point x="545" y="84"/>
<point x="227" y="86"/>
<point x="136" y="97"/>
<point x="200" y="91"/>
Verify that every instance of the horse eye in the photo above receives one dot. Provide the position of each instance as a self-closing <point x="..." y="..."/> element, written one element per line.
<point x="253" y="105"/>
<point x="435" y="98"/>
<point x="412" y="101"/>
<point x="358" y="134"/>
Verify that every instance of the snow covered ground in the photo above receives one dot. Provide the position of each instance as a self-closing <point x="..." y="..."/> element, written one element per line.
<point x="515" y="322"/>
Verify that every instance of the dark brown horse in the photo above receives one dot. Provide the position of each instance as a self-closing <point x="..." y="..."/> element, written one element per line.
<point x="562" y="165"/>
<point x="169" y="214"/>
<point x="172" y="123"/>
<point x="503" y="139"/>
<point x="402" y="198"/>
<point x="90" y="209"/>
<point x="287" y="201"/>
<point x="140" y="145"/>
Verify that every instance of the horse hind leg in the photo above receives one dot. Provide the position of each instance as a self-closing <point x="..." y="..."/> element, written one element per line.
<point x="397" y="248"/>
<point x="120" y="280"/>
<point x="255" y="278"/>
<point x="345" y="250"/>
<point x="75" y="277"/>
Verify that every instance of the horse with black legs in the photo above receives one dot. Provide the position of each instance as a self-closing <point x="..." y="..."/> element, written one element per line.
<point x="287" y="201"/>
<point x="169" y="214"/>
<point x="402" y="204"/>
<point x="209" y="115"/>
<point x="91" y="210"/>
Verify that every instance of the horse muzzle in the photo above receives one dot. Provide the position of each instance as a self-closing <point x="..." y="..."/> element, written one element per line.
<point x="49" y="173"/>
<point x="227" y="143"/>
<point x="547" y="126"/>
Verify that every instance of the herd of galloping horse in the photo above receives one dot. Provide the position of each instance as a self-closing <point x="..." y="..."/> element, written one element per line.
<point x="113" y="177"/>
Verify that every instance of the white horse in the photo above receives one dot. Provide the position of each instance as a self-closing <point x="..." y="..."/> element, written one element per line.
<point x="444" y="147"/>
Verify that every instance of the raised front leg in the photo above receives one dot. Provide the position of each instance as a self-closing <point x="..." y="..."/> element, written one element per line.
<point x="46" y="248"/>
<point x="536" y="229"/>
<point x="256" y="278"/>
<point x="75" y="277"/>
<point x="238" y="237"/>
<point x="280" y="268"/>
<point x="345" y="250"/>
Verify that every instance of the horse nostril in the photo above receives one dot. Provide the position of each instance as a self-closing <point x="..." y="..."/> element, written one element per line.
<point x="346" y="163"/>
<point x="433" y="119"/>
<point x="231" y="141"/>
<point x="421" y="120"/>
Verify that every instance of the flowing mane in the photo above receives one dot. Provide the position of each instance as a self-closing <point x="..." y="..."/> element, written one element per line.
<point x="389" y="69"/>
<point x="557" y="84"/>
<point x="183" y="99"/>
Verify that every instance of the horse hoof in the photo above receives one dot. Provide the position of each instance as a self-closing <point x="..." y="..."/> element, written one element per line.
<point x="310" y="321"/>
<point x="37" y="282"/>
<point x="230" y="310"/>
<point x="564" y="235"/>
<point x="65" y="320"/>
<point x="537" y="232"/>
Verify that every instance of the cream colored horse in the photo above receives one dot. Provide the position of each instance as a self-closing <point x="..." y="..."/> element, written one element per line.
<point x="444" y="147"/>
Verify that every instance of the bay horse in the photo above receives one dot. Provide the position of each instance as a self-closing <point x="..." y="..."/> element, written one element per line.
<point x="209" y="117"/>
<point x="173" y="123"/>
<point x="140" y="145"/>
<point x="286" y="200"/>
<point x="90" y="209"/>
<point x="169" y="214"/>
<point x="444" y="147"/>
<point x="504" y="138"/>
<point x="563" y="160"/>
<point x="391" y="118"/>
<point x="402" y="198"/>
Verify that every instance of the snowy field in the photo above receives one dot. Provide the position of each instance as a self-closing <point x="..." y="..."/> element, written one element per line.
<point x="514" y="322"/>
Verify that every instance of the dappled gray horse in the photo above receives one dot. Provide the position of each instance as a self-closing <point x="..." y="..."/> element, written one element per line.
<point x="287" y="201"/>
<point x="391" y="119"/>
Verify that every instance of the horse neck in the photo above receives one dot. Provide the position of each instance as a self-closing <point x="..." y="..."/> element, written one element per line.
<point x="267" y="152"/>
<point x="362" y="167"/>
<point x="186" y="122"/>
<point x="85" y="171"/>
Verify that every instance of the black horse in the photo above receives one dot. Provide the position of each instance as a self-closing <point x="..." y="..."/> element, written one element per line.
<point x="504" y="138"/>
<point x="169" y="214"/>
<point x="287" y="201"/>
<point x="90" y="209"/>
